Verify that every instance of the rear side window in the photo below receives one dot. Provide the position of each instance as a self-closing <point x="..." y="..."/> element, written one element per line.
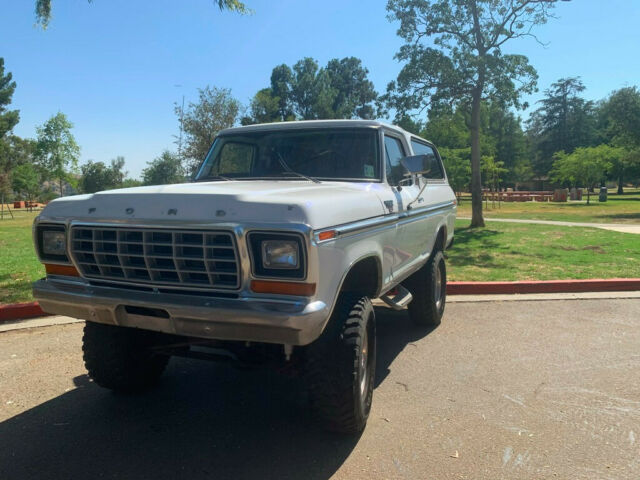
<point x="393" y="152"/>
<point x="435" y="170"/>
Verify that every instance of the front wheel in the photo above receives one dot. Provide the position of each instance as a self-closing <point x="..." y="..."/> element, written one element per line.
<point x="340" y="366"/>
<point x="429" y="289"/>
<point x="122" y="358"/>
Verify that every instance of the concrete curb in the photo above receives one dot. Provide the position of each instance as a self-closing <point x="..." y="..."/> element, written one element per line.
<point x="544" y="286"/>
<point x="18" y="311"/>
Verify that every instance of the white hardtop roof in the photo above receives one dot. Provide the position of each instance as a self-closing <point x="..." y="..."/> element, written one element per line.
<point x="311" y="124"/>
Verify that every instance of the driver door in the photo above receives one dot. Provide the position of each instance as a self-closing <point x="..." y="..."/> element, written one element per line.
<point x="408" y="234"/>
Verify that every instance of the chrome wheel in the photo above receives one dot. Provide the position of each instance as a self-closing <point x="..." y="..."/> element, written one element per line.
<point x="363" y="369"/>
<point x="437" y="287"/>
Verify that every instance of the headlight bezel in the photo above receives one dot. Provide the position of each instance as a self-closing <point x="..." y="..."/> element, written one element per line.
<point x="255" y="240"/>
<point x="40" y="230"/>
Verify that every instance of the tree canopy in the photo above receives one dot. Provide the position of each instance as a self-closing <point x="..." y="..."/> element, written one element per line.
<point x="563" y="122"/>
<point x="215" y="110"/>
<point x="56" y="149"/>
<point x="8" y="118"/>
<point x="44" y="14"/>
<point x="96" y="176"/>
<point x="585" y="166"/>
<point x="165" y="169"/>
<point x="307" y="91"/>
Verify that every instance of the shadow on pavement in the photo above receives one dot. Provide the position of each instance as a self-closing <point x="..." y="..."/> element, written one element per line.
<point x="204" y="421"/>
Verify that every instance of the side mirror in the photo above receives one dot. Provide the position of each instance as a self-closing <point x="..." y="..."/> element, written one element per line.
<point x="417" y="164"/>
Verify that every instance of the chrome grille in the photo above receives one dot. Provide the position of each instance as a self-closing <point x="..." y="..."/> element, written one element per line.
<point x="183" y="258"/>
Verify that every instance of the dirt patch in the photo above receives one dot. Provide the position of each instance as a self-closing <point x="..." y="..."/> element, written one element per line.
<point x="593" y="248"/>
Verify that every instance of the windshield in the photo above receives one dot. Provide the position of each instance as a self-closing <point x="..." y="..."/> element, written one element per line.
<point x="325" y="154"/>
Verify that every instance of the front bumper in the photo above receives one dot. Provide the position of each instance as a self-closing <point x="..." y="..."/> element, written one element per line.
<point x="246" y="318"/>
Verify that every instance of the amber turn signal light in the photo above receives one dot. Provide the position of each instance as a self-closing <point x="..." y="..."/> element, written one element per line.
<point x="67" y="270"/>
<point x="283" y="288"/>
<point x="328" y="235"/>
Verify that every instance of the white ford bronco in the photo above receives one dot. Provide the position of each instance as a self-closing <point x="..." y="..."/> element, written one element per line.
<point x="270" y="256"/>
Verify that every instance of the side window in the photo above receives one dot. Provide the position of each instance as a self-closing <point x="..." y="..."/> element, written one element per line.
<point x="435" y="170"/>
<point x="393" y="153"/>
<point x="236" y="158"/>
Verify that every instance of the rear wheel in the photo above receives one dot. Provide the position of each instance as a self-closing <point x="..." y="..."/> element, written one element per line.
<point x="340" y="366"/>
<point x="122" y="358"/>
<point x="429" y="289"/>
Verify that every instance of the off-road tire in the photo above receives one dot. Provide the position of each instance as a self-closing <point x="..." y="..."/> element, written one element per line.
<point x="120" y="358"/>
<point x="334" y="366"/>
<point x="429" y="295"/>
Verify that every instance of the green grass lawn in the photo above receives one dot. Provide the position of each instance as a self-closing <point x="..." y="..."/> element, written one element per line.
<point x="19" y="266"/>
<point x="510" y="252"/>
<point x="501" y="251"/>
<point x="618" y="209"/>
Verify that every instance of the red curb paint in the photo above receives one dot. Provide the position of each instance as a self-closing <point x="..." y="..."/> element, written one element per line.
<point x="544" y="286"/>
<point x="19" y="311"/>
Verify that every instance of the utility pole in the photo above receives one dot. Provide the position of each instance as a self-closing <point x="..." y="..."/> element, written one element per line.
<point x="181" y="119"/>
<point x="181" y="123"/>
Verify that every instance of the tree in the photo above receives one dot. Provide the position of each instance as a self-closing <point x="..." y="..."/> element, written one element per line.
<point x="8" y="118"/>
<point x="96" y="176"/>
<point x="463" y="63"/>
<point x="447" y="128"/>
<point x="458" y="167"/>
<point x="131" y="182"/>
<point x="521" y="172"/>
<point x="354" y="92"/>
<point x="311" y="93"/>
<point x="411" y="125"/>
<point x="15" y="151"/>
<point x="564" y="121"/>
<point x="585" y="166"/>
<point x="43" y="9"/>
<point x="281" y="78"/>
<point x="621" y="118"/>
<point x="165" y="169"/>
<point x="264" y="108"/>
<point x="25" y="181"/>
<point x="308" y="92"/>
<point x="493" y="171"/>
<point x="216" y="109"/>
<point x="56" y="149"/>
<point x="508" y="143"/>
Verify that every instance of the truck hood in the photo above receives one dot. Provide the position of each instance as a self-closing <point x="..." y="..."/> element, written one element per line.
<point x="316" y="204"/>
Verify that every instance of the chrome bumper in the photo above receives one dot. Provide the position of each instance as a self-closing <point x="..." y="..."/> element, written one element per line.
<point x="244" y="318"/>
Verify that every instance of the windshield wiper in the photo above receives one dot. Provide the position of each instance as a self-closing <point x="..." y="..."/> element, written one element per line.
<point x="287" y="168"/>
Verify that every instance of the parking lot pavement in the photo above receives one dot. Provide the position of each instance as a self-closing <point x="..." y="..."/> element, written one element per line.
<point x="546" y="389"/>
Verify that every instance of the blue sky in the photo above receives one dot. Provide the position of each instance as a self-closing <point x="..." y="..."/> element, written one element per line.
<point x="113" y="65"/>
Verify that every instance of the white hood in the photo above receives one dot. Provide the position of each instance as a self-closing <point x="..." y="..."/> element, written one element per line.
<point x="278" y="201"/>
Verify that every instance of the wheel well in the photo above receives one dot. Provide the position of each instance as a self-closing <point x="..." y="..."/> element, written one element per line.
<point x="363" y="278"/>
<point x="441" y="239"/>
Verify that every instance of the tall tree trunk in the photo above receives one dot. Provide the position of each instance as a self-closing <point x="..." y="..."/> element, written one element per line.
<point x="476" y="180"/>
<point x="620" y="187"/>
<point x="60" y="181"/>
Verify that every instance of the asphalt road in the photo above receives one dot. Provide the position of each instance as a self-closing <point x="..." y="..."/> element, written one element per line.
<point x="522" y="390"/>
